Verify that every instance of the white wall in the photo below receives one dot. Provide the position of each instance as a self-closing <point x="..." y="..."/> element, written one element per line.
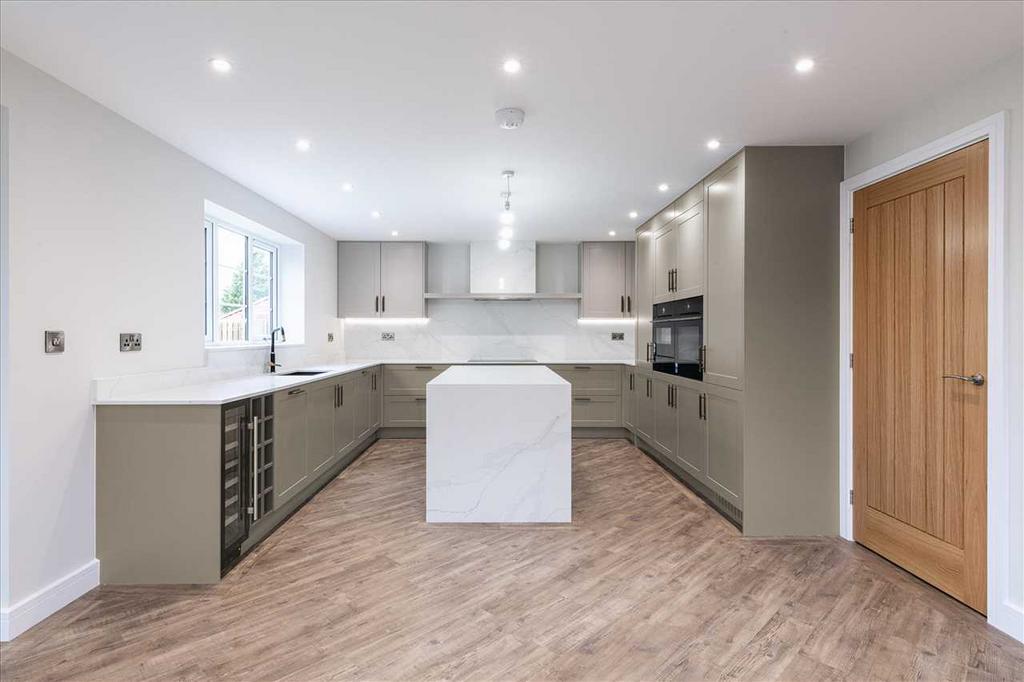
<point x="105" y="236"/>
<point x="999" y="87"/>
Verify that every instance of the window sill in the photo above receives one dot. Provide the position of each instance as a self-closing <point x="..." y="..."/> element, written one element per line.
<point x="218" y="347"/>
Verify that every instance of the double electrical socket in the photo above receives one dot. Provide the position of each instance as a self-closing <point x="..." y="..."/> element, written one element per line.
<point x="387" y="336"/>
<point x="130" y="342"/>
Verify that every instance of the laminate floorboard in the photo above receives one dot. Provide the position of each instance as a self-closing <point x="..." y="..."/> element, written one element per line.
<point x="648" y="583"/>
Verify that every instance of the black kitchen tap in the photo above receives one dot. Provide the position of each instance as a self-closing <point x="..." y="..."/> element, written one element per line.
<point x="273" y="351"/>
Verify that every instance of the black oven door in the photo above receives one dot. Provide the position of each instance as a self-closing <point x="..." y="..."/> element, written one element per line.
<point x="677" y="345"/>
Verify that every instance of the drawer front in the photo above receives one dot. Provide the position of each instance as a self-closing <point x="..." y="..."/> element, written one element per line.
<point x="402" y="410"/>
<point x="596" y="411"/>
<point x="409" y="379"/>
<point x="591" y="380"/>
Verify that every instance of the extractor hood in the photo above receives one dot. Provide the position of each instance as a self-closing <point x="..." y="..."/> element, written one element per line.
<point x="506" y="267"/>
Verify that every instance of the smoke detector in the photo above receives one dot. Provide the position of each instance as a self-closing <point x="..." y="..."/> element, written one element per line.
<point x="509" y="118"/>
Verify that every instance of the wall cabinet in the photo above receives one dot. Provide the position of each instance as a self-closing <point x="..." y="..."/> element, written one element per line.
<point x="608" y="279"/>
<point x="666" y="261"/>
<point x="290" y="441"/>
<point x="381" y="279"/>
<point x="644" y="296"/>
<point x="723" y="304"/>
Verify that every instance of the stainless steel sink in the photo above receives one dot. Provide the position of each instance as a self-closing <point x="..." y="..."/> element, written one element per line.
<point x="303" y="373"/>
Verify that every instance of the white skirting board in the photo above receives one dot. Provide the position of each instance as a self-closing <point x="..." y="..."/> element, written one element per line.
<point x="42" y="604"/>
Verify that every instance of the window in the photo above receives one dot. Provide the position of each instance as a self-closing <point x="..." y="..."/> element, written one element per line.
<point x="241" y="285"/>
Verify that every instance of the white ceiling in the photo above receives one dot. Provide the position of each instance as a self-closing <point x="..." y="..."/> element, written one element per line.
<point x="398" y="98"/>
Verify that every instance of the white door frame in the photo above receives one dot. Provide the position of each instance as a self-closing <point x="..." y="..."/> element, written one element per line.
<point x="1002" y="613"/>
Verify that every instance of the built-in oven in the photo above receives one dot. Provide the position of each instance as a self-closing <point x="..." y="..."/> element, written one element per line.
<point x="678" y="338"/>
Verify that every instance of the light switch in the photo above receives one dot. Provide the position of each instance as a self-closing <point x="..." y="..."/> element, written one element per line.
<point x="53" y="342"/>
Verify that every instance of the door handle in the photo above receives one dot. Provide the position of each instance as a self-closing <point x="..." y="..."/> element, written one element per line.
<point x="382" y="304"/>
<point x="622" y="303"/>
<point x="376" y="303"/>
<point x="629" y="303"/>
<point x="702" y="358"/>
<point x="702" y="406"/>
<point x="978" y="379"/>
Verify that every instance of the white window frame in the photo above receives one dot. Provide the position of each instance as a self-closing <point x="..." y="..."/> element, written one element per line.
<point x="210" y="302"/>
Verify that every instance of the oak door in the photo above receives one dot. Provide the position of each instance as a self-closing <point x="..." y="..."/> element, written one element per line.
<point x="920" y="286"/>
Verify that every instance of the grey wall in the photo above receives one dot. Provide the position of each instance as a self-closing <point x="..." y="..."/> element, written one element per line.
<point x="791" y="319"/>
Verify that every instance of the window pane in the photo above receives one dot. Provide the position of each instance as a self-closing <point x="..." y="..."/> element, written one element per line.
<point x="231" y="286"/>
<point x="261" y="282"/>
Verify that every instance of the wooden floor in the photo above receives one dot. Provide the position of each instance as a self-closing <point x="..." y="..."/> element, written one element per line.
<point x="647" y="583"/>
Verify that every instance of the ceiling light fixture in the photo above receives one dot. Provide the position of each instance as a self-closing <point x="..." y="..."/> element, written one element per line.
<point x="506" y="233"/>
<point x="512" y="65"/>
<point x="375" y="215"/>
<point x="394" y="233"/>
<point x="611" y="233"/>
<point x="503" y="244"/>
<point x="346" y="187"/>
<point x="220" y="65"/>
<point x="509" y="118"/>
<point x="303" y="145"/>
<point x="633" y="215"/>
<point x="804" y="65"/>
<point x="507" y="217"/>
<point x="714" y="144"/>
<point x="663" y="187"/>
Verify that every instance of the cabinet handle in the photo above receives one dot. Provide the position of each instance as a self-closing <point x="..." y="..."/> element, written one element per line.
<point x="702" y="358"/>
<point x="582" y="400"/>
<point x="648" y="388"/>
<point x="376" y="303"/>
<point x="341" y="395"/>
<point x="254" y="470"/>
<point x="670" y="280"/>
<point x="581" y="367"/>
<point x="424" y="367"/>
<point x="622" y="303"/>
<point x="296" y="391"/>
<point x="631" y="382"/>
<point x="382" y="303"/>
<point x="629" y="303"/>
<point x="421" y="400"/>
<point x="702" y="406"/>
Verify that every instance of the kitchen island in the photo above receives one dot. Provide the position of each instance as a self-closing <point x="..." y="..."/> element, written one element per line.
<point x="499" y="446"/>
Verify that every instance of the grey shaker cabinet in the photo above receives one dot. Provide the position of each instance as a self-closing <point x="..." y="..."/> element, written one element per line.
<point x="358" y="279"/>
<point x="320" y="443"/>
<point x="692" y="450"/>
<point x="290" y="441"/>
<point x="644" y="303"/>
<point x="381" y="279"/>
<point x="724" y="422"/>
<point x="645" y="408"/>
<point x="666" y="428"/>
<point x="723" y="300"/>
<point x="607" y="279"/>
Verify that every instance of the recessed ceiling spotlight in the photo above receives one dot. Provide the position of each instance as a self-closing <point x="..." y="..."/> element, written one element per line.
<point x="506" y="233"/>
<point x="503" y="244"/>
<point x="303" y="145"/>
<point x="633" y="215"/>
<point x="375" y="215"/>
<point x="512" y="65"/>
<point x="394" y="233"/>
<point x="346" y="187"/>
<point x="714" y="144"/>
<point x="804" y="65"/>
<point x="663" y="187"/>
<point x="220" y="65"/>
<point x="611" y="233"/>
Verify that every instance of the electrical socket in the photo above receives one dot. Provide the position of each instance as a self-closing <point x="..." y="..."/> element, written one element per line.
<point x="130" y="342"/>
<point x="330" y="337"/>
<point x="618" y="336"/>
<point x="387" y="336"/>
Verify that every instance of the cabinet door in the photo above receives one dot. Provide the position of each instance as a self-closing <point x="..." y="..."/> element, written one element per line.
<point x="604" y="279"/>
<point x="644" y="297"/>
<point x="290" y="416"/>
<point x="361" y="405"/>
<point x="597" y="411"/>
<point x="405" y="411"/>
<point x="724" y="415"/>
<point x="666" y="252"/>
<point x="645" y="406"/>
<point x="320" y="450"/>
<point x="692" y="444"/>
<point x="630" y="260"/>
<point x="628" y="398"/>
<point x="723" y="304"/>
<point x="358" y="279"/>
<point x="690" y="275"/>
<point x="666" y="427"/>
<point x="402" y="279"/>
<point x="375" y="393"/>
<point x="344" y="416"/>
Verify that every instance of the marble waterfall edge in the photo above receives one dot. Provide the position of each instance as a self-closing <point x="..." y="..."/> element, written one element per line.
<point x="499" y="446"/>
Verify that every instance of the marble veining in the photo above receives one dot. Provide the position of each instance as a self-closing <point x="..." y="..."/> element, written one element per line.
<point x="493" y="270"/>
<point x="499" y="446"/>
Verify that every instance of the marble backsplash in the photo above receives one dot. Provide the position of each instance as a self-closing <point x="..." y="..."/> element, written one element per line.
<point x="547" y="331"/>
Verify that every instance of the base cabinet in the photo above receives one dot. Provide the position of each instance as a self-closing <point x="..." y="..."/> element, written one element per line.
<point x="692" y="450"/>
<point x="321" y="438"/>
<point x="724" y="419"/>
<point x="645" y="408"/>
<point x="290" y="416"/>
<point x="629" y="377"/>
<point x="666" y="427"/>
<point x="596" y="411"/>
<point x="375" y="399"/>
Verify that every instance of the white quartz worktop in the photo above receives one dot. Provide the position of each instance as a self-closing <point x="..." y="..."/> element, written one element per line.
<point x="107" y="391"/>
